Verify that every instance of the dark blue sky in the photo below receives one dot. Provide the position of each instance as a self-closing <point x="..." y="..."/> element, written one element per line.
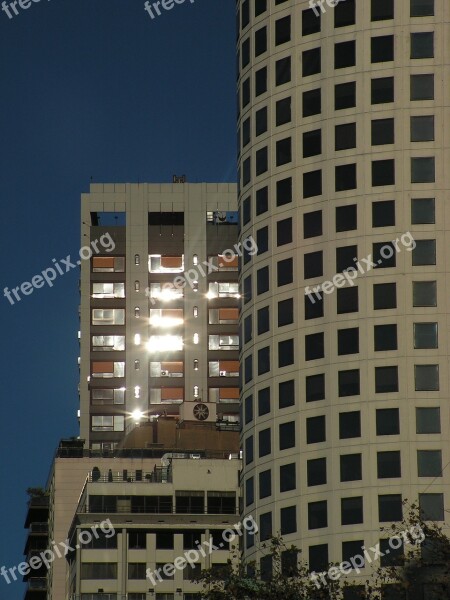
<point x="88" y="88"/>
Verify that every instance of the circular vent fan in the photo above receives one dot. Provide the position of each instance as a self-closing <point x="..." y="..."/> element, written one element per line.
<point x="201" y="412"/>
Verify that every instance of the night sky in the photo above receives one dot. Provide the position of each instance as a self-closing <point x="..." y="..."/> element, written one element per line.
<point x="89" y="89"/>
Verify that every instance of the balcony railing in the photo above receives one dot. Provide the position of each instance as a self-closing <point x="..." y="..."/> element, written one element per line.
<point x="162" y="510"/>
<point x="38" y="501"/>
<point x="158" y="475"/>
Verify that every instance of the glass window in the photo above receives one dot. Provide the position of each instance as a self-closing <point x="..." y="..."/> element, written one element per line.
<point x="317" y="515"/>
<point x="265" y="526"/>
<point x="350" y="467"/>
<point x="265" y="445"/>
<point x="381" y="10"/>
<point x="383" y="213"/>
<point x="425" y="335"/>
<point x="344" y="54"/>
<point x="352" y="510"/>
<point x="345" y="177"/>
<point x="423" y="211"/>
<point x="384" y="255"/>
<point x="261" y="161"/>
<point x="345" y="95"/>
<point x="282" y="30"/>
<point x="287" y="435"/>
<point x="391" y="557"/>
<point x="260" y="41"/>
<point x="263" y="402"/>
<point x="426" y="378"/>
<point x="423" y="170"/>
<point x="349" y="383"/>
<point x="283" y="152"/>
<point x="285" y="353"/>
<point x="424" y="293"/>
<point x="424" y="253"/>
<point x="263" y="318"/>
<point x="288" y="520"/>
<point x="386" y="380"/>
<point x="344" y="13"/>
<point x="389" y="464"/>
<point x="387" y="421"/>
<point x="382" y="48"/>
<point x="282" y="71"/>
<point x="311" y="62"/>
<point x="260" y="83"/>
<point x="260" y="7"/>
<point x="346" y="257"/>
<point x="429" y="463"/>
<point x="345" y="136"/>
<point x="422" y="129"/>
<point x="318" y="557"/>
<point x="432" y="506"/>
<point x="422" y="8"/>
<point x="108" y="316"/>
<point x="422" y="45"/>
<point x="383" y="172"/>
<point x="390" y="508"/>
<point x="249" y="450"/>
<point x="385" y="338"/>
<point x="315" y="430"/>
<point x="285" y="312"/>
<point x="262" y="280"/>
<point x="315" y="387"/>
<point x="347" y="300"/>
<point x="284" y="232"/>
<point x="312" y="143"/>
<point x="312" y="103"/>
<point x="248" y="409"/>
<point x="316" y="470"/>
<point x="312" y="224"/>
<point x="284" y="191"/>
<point x="260" y="122"/>
<point x="285" y="271"/>
<point x="346" y="218"/>
<point x="287" y="477"/>
<point x="249" y="491"/>
<point x="283" y="111"/>
<point x="352" y="549"/>
<point x="286" y="393"/>
<point x="262" y="200"/>
<point x="382" y="132"/>
<point x="312" y="183"/>
<point x="384" y="296"/>
<point x="382" y="90"/>
<point x="314" y="346"/>
<point x="349" y="425"/>
<point x="310" y="22"/>
<point x="348" y="341"/>
<point x="265" y="484"/>
<point x="263" y="360"/>
<point x="313" y="264"/>
<point x="428" y="420"/>
<point x="422" y="87"/>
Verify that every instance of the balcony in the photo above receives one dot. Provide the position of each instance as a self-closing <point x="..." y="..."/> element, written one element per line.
<point x="38" y="508"/>
<point x="39" y="528"/>
<point x="158" y="475"/>
<point x="36" y="588"/>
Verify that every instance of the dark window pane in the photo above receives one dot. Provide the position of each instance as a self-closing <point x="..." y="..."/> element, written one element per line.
<point x="263" y="402"/>
<point x="345" y="95"/>
<point x="312" y="224"/>
<point x="382" y="132"/>
<point x="345" y="136"/>
<point x="260" y="81"/>
<point x="316" y="471"/>
<point x="284" y="232"/>
<point x="347" y="300"/>
<point x="314" y="306"/>
<point x="422" y="87"/>
<point x="422" y="45"/>
<point x="424" y="253"/>
<point x="313" y="264"/>
<point x="287" y="435"/>
<point x="314" y="346"/>
<point x="423" y="211"/>
<point x="283" y="111"/>
<point x="263" y="360"/>
<point x="386" y="380"/>
<point x="424" y="293"/>
<point x="345" y="54"/>
<point x="348" y="341"/>
<point x="283" y="71"/>
<point x="351" y="468"/>
<point x="352" y="511"/>
<point x="423" y="170"/>
<point x="261" y="122"/>
<point x="345" y="257"/>
<point x="382" y="90"/>
<point x="312" y="184"/>
<point x="349" y="425"/>
<point x="284" y="272"/>
<point x="349" y="383"/>
<point x="287" y="477"/>
<point x="383" y="213"/>
<point x="285" y="353"/>
<point x="382" y="48"/>
<point x="263" y="320"/>
<point x="311" y="62"/>
<point x="260" y="41"/>
<point x="345" y="177"/>
<point x="426" y="378"/>
<point x="315" y="430"/>
<point x="381" y="10"/>
<point x="265" y="484"/>
<point x="388" y="464"/>
<point x="385" y="338"/>
<point x="262" y="280"/>
<point x="388" y="421"/>
<point x="284" y="191"/>
<point x="315" y="387"/>
<point x="285" y="312"/>
<point x="282" y="30"/>
<point x="262" y="200"/>
<point x="312" y="103"/>
<point x="428" y="420"/>
<point x="318" y="557"/>
<point x="422" y="8"/>
<point x="310" y="21"/>
<point x="288" y="520"/>
<point x="344" y="13"/>
<point x="384" y="296"/>
<point x="312" y="143"/>
<point x="383" y="172"/>
<point x="265" y="445"/>
<point x="390" y="508"/>
<point x="317" y="515"/>
<point x="286" y="394"/>
<point x="346" y="218"/>
<point x="383" y="254"/>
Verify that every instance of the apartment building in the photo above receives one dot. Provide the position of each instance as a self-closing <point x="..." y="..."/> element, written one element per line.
<point x="343" y="135"/>
<point x="159" y="307"/>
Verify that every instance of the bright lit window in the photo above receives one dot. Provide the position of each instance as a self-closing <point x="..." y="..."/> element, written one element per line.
<point x="223" y="342"/>
<point x="224" y="262"/>
<point x="165" y="343"/>
<point x="108" y="423"/>
<point x="108" y="264"/>
<point x="107" y="369"/>
<point x="167" y="369"/>
<point x="165" y="292"/>
<point x="166" y="317"/>
<point x="108" y="342"/>
<point x="224" y="368"/>
<point x="196" y="391"/>
<point x="223" y="290"/>
<point x="108" y="316"/>
<point x="166" y="395"/>
<point x="137" y="339"/>
<point x="137" y="391"/>
<point x="196" y="338"/>
<point x="225" y="394"/>
<point x="223" y="316"/>
<point x="108" y="290"/>
<point x="107" y="396"/>
<point x="165" y="264"/>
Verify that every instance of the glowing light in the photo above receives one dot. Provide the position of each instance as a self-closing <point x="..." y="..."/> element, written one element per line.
<point x="137" y="391"/>
<point x="165" y="343"/>
<point x="196" y="338"/>
<point x="210" y="295"/>
<point x="165" y="322"/>
<point x="137" y="339"/>
<point x="137" y="415"/>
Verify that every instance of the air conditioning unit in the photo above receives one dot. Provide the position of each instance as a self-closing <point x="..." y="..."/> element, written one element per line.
<point x="222" y="373"/>
<point x="164" y="373"/>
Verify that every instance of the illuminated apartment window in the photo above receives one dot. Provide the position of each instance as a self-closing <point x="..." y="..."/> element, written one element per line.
<point x="224" y="394"/>
<point x="102" y="343"/>
<point x="167" y="369"/>
<point x="196" y="338"/>
<point x="108" y="369"/>
<point x="165" y="343"/>
<point x="223" y="290"/>
<point x="108" y="316"/>
<point x="224" y="262"/>
<point x="108" y="264"/>
<point x="137" y="259"/>
<point x="107" y="423"/>
<point x="195" y="259"/>
<point x="100" y="397"/>
<point x="224" y="368"/>
<point x="223" y="316"/>
<point x="166" y="317"/>
<point x="137" y="339"/>
<point x="165" y="264"/>
<point x="108" y="290"/>
<point x="165" y="292"/>
<point x="223" y="342"/>
<point x="195" y="311"/>
<point x="166" y="395"/>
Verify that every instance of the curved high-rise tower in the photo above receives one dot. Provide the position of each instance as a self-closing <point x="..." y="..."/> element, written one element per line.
<point x="344" y="162"/>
